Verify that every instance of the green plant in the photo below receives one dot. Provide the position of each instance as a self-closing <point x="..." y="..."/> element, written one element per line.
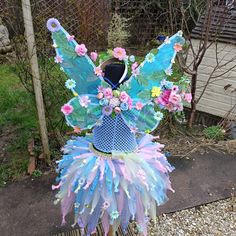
<point x="37" y="173"/>
<point x="118" y="33"/>
<point x="215" y="132"/>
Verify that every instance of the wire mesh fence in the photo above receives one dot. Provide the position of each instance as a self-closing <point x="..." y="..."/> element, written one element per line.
<point x="89" y="21"/>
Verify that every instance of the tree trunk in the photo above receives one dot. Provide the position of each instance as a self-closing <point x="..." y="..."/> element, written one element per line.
<point x="193" y="102"/>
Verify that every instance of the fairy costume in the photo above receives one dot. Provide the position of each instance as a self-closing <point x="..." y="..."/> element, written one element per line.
<point x="117" y="173"/>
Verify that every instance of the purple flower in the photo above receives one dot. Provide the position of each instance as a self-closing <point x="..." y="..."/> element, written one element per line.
<point x="107" y="110"/>
<point x="53" y="25"/>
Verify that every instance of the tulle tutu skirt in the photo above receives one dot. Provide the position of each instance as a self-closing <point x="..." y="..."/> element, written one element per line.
<point x="115" y="188"/>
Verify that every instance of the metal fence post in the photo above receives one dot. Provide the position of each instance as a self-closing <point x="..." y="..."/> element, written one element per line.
<point x="29" y="32"/>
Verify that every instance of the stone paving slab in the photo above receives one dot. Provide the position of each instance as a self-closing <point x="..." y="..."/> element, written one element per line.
<point x="26" y="207"/>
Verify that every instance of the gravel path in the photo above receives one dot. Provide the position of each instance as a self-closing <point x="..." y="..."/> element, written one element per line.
<point x="214" y="219"/>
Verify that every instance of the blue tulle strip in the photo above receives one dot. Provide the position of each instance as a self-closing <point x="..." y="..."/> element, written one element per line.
<point x="116" y="187"/>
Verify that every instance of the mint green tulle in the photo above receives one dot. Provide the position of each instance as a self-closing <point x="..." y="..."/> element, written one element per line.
<point x="84" y="117"/>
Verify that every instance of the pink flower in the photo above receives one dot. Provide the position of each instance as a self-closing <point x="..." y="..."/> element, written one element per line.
<point x="98" y="71"/>
<point x="188" y="97"/>
<point x="100" y="89"/>
<point x="175" y="89"/>
<point x="117" y="110"/>
<point x="134" y="66"/>
<point x="100" y="96"/>
<point x="94" y="56"/>
<point x="124" y="97"/>
<point x="164" y="98"/>
<point x="81" y="50"/>
<point x="179" y="107"/>
<point x="178" y="47"/>
<point x="175" y="98"/>
<point x="130" y="103"/>
<point x="134" y="129"/>
<point x="108" y="93"/>
<point x="58" y="59"/>
<point x="70" y="37"/>
<point x="67" y="109"/>
<point x="119" y="53"/>
<point x="135" y="72"/>
<point x="84" y="101"/>
<point x="139" y="106"/>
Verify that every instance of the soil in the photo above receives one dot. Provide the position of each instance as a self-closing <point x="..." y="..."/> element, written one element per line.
<point x="181" y="142"/>
<point x="6" y="138"/>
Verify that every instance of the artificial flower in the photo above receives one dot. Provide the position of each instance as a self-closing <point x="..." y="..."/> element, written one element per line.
<point x="114" y="102"/>
<point x="58" y="59"/>
<point x="70" y="84"/>
<point x="98" y="71"/>
<point x="54" y="45"/>
<point x="77" y="130"/>
<point x="116" y="93"/>
<point x="93" y="56"/>
<point x="100" y="89"/>
<point x="178" y="47"/>
<point x="134" y="66"/>
<point x="169" y="71"/>
<point x="167" y="40"/>
<point x="100" y="96"/>
<point x="156" y="91"/>
<point x="108" y="93"/>
<point x="107" y="110"/>
<point x="67" y="109"/>
<point x="188" y="97"/>
<point x="123" y="96"/>
<point x="103" y="102"/>
<point x="158" y="116"/>
<point x="114" y="215"/>
<point x="175" y="88"/>
<point x="106" y="204"/>
<point x="169" y="85"/>
<point x="119" y="53"/>
<point x="139" y="106"/>
<point x="150" y="57"/>
<point x="179" y="107"/>
<point x="132" y="58"/>
<point x="81" y="50"/>
<point x="175" y="98"/>
<point x="70" y="37"/>
<point x="117" y="110"/>
<point x="135" y="72"/>
<point x="164" y="98"/>
<point x="130" y="102"/>
<point x="53" y="25"/>
<point x="82" y="181"/>
<point x="124" y="106"/>
<point x="84" y="101"/>
<point x="134" y="129"/>
<point x="180" y="33"/>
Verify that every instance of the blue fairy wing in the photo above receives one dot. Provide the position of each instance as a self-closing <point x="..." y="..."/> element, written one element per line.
<point x="144" y="120"/>
<point x="80" y="69"/>
<point x="156" y="66"/>
<point x="81" y="116"/>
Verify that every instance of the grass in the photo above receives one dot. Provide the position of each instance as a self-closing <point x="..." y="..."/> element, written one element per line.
<point x="17" y="123"/>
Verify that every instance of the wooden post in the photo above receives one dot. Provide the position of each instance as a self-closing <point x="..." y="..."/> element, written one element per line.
<point x="111" y="232"/>
<point x="29" y="32"/>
